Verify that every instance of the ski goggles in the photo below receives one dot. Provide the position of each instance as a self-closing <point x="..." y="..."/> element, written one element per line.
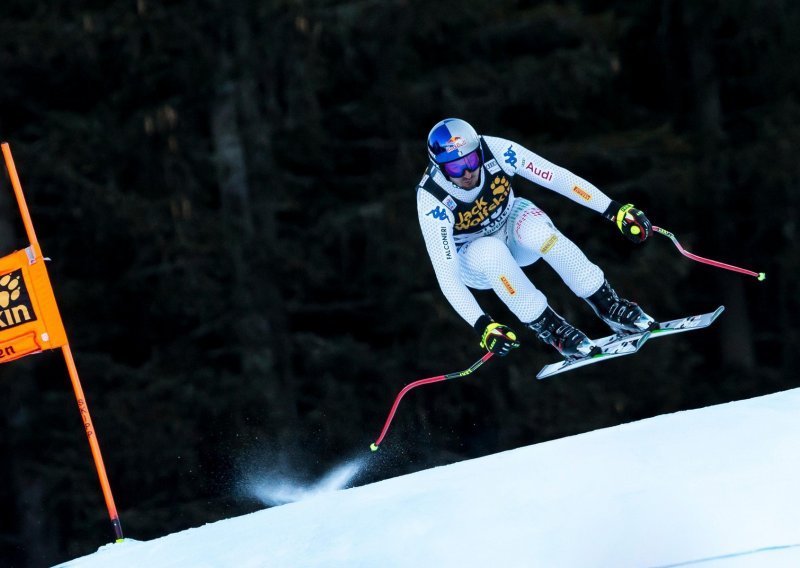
<point x="456" y="168"/>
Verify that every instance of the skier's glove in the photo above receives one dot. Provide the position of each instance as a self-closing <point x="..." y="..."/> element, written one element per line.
<point x="631" y="221"/>
<point x="496" y="337"/>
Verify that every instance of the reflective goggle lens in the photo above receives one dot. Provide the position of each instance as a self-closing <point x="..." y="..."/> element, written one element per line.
<point x="456" y="168"/>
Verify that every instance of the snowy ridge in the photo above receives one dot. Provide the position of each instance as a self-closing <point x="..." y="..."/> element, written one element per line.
<point x="714" y="487"/>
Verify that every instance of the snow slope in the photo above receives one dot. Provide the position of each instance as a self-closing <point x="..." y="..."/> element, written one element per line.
<point x="715" y="487"/>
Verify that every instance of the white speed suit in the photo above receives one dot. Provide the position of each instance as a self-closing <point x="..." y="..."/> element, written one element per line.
<point x="481" y="237"/>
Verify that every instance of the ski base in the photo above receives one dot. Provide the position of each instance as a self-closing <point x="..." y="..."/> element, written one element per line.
<point x="614" y="346"/>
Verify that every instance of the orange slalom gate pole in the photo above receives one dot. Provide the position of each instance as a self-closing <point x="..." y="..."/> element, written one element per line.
<point x="23" y="207"/>
<point x="93" y="443"/>
<point x="68" y="359"/>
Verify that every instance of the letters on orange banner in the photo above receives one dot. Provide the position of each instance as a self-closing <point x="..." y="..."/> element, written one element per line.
<point x="29" y="317"/>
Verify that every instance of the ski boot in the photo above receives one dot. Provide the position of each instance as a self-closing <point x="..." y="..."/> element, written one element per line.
<point x="552" y="329"/>
<point x="622" y="316"/>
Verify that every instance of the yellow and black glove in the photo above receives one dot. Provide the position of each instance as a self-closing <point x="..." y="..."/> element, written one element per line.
<point x="630" y="221"/>
<point x="496" y="337"/>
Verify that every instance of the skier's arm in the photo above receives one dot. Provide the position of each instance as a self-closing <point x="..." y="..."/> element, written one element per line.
<point x="518" y="160"/>
<point x="436" y="222"/>
<point x="533" y="167"/>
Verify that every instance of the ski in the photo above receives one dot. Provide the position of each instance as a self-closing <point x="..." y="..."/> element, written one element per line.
<point x="689" y="323"/>
<point x="619" y="345"/>
<point x="610" y="347"/>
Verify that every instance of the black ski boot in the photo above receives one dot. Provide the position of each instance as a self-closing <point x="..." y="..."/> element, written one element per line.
<point x="621" y="315"/>
<point x="552" y="329"/>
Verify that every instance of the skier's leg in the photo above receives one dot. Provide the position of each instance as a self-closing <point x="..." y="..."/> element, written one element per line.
<point x="533" y="235"/>
<point x="487" y="263"/>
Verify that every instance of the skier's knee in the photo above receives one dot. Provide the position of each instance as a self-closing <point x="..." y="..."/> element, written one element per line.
<point x="488" y="248"/>
<point x="541" y="237"/>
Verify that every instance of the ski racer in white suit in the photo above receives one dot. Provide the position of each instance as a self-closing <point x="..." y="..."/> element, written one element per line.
<point x="479" y="234"/>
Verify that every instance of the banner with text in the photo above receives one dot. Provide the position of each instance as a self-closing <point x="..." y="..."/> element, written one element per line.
<point x="29" y="317"/>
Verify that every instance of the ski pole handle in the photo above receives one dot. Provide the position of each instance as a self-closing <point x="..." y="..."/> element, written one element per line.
<point x="760" y="275"/>
<point x="436" y="379"/>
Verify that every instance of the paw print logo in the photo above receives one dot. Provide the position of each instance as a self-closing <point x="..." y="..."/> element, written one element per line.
<point x="10" y="290"/>
<point x="499" y="185"/>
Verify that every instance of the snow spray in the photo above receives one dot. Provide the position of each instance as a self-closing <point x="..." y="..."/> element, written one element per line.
<point x="281" y="487"/>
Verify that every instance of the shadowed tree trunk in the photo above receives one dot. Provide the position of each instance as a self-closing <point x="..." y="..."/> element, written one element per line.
<point x="242" y="130"/>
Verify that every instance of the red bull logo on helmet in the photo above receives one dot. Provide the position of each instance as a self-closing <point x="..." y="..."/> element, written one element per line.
<point x="454" y="144"/>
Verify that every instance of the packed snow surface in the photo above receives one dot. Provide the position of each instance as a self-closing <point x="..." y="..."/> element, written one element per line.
<point x="713" y="487"/>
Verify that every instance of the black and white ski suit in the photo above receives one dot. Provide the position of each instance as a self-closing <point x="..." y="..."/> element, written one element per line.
<point x="481" y="237"/>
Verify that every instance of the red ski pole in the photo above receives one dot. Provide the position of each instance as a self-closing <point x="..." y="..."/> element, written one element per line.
<point x="475" y="365"/>
<point x="760" y="275"/>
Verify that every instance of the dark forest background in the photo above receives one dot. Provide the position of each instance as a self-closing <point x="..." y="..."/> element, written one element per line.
<point x="226" y="190"/>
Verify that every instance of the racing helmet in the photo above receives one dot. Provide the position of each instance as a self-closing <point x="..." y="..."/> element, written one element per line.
<point x="451" y="139"/>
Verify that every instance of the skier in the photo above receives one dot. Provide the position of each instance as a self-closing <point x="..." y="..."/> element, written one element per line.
<point x="479" y="235"/>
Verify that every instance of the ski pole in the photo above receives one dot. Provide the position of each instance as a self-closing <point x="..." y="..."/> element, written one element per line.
<point x="401" y="394"/>
<point x="760" y="275"/>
